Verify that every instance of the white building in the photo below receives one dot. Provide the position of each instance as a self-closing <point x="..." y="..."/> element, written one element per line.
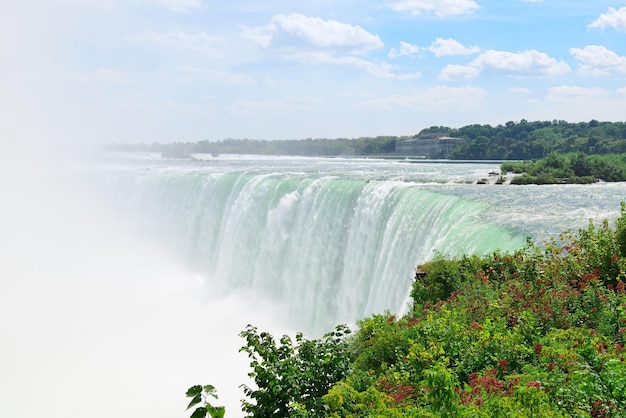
<point x="429" y="145"/>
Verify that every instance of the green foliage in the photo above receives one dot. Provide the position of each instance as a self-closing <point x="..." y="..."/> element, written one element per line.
<point x="442" y="278"/>
<point x="620" y="233"/>
<point x="536" y="333"/>
<point x="364" y="146"/>
<point x="534" y="140"/>
<point x="568" y="168"/>
<point x="292" y="376"/>
<point x="440" y="383"/>
<point x="199" y="396"/>
<point x="512" y="141"/>
<point x="540" y="332"/>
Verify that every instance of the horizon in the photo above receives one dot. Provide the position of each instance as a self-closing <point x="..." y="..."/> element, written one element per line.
<point x="402" y="137"/>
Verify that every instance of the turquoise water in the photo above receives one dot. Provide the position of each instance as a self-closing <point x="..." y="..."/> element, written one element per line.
<point x="334" y="240"/>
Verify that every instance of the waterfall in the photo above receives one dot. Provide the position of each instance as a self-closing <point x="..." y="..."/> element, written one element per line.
<point x="330" y="248"/>
<point x="126" y="281"/>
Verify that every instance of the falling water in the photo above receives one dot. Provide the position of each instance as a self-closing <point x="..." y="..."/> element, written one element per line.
<point x="127" y="279"/>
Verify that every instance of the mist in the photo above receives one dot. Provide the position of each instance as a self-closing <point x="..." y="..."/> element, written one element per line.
<point x="97" y="321"/>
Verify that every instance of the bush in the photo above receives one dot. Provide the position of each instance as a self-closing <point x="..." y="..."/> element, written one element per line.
<point x="293" y="377"/>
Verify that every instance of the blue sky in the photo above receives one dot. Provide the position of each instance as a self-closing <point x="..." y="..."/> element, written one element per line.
<point x="102" y="71"/>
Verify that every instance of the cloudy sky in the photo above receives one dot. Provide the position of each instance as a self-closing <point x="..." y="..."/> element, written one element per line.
<point x="103" y="71"/>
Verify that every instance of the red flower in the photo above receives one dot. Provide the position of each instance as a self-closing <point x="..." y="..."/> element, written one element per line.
<point x="476" y="325"/>
<point x="537" y="348"/>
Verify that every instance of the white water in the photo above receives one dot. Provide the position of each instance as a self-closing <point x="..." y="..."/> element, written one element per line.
<point x="118" y="296"/>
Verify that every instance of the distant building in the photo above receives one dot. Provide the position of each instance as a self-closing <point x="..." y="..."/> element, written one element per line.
<point x="429" y="145"/>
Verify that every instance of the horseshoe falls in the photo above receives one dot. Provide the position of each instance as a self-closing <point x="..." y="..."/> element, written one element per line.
<point x="329" y="248"/>
<point x="127" y="278"/>
<point x="332" y="240"/>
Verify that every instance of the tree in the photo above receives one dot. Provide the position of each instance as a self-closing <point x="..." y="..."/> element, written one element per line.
<point x="200" y="395"/>
<point x="293" y="376"/>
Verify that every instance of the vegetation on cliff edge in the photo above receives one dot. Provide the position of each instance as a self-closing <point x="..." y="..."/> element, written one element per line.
<point x="539" y="332"/>
<point x="568" y="168"/>
<point x="521" y="140"/>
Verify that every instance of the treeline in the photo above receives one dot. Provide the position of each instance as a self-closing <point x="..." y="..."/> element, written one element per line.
<point x="568" y="168"/>
<point x="540" y="332"/>
<point x="365" y="146"/>
<point x="512" y="141"/>
<point x="533" y="140"/>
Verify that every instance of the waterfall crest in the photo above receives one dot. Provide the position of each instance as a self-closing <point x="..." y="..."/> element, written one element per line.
<point x="331" y="249"/>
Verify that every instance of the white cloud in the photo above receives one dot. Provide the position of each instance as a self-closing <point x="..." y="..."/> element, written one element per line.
<point x="615" y="19"/>
<point x="409" y="76"/>
<point x="458" y="72"/>
<point x="434" y="98"/>
<point x="295" y="29"/>
<point x="180" y="6"/>
<point x="526" y="63"/>
<point x="178" y="39"/>
<point x="306" y="100"/>
<point x="380" y="70"/>
<point x="445" y="47"/>
<point x="441" y="8"/>
<point x="406" y="49"/>
<point x="574" y="93"/>
<point x="311" y="40"/>
<point x="596" y="60"/>
<point x="272" y="106"/>
<point x="622" y="91"/>
<point x="520" y="91"/>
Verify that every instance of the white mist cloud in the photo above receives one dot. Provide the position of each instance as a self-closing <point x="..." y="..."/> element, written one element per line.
<point x="217" y="76"/>
<point x="615" y="19"/>
<point x="108" y="76"/>
<point x="446" y="47"/>
<point x="201" y="41"/>
<point x="94" y="312"/>
<point x="441" y="8"/>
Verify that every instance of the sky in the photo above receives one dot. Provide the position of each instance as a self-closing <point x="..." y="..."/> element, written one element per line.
<point x="144" y="71"/>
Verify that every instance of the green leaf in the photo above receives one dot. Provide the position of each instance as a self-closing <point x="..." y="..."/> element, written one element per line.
<point x="216" y="411"/>
<point x="199" y="412"/>
<point x="210" y="390"/>
<point x="195" y="401"/>
<point x="194" y="391"/>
